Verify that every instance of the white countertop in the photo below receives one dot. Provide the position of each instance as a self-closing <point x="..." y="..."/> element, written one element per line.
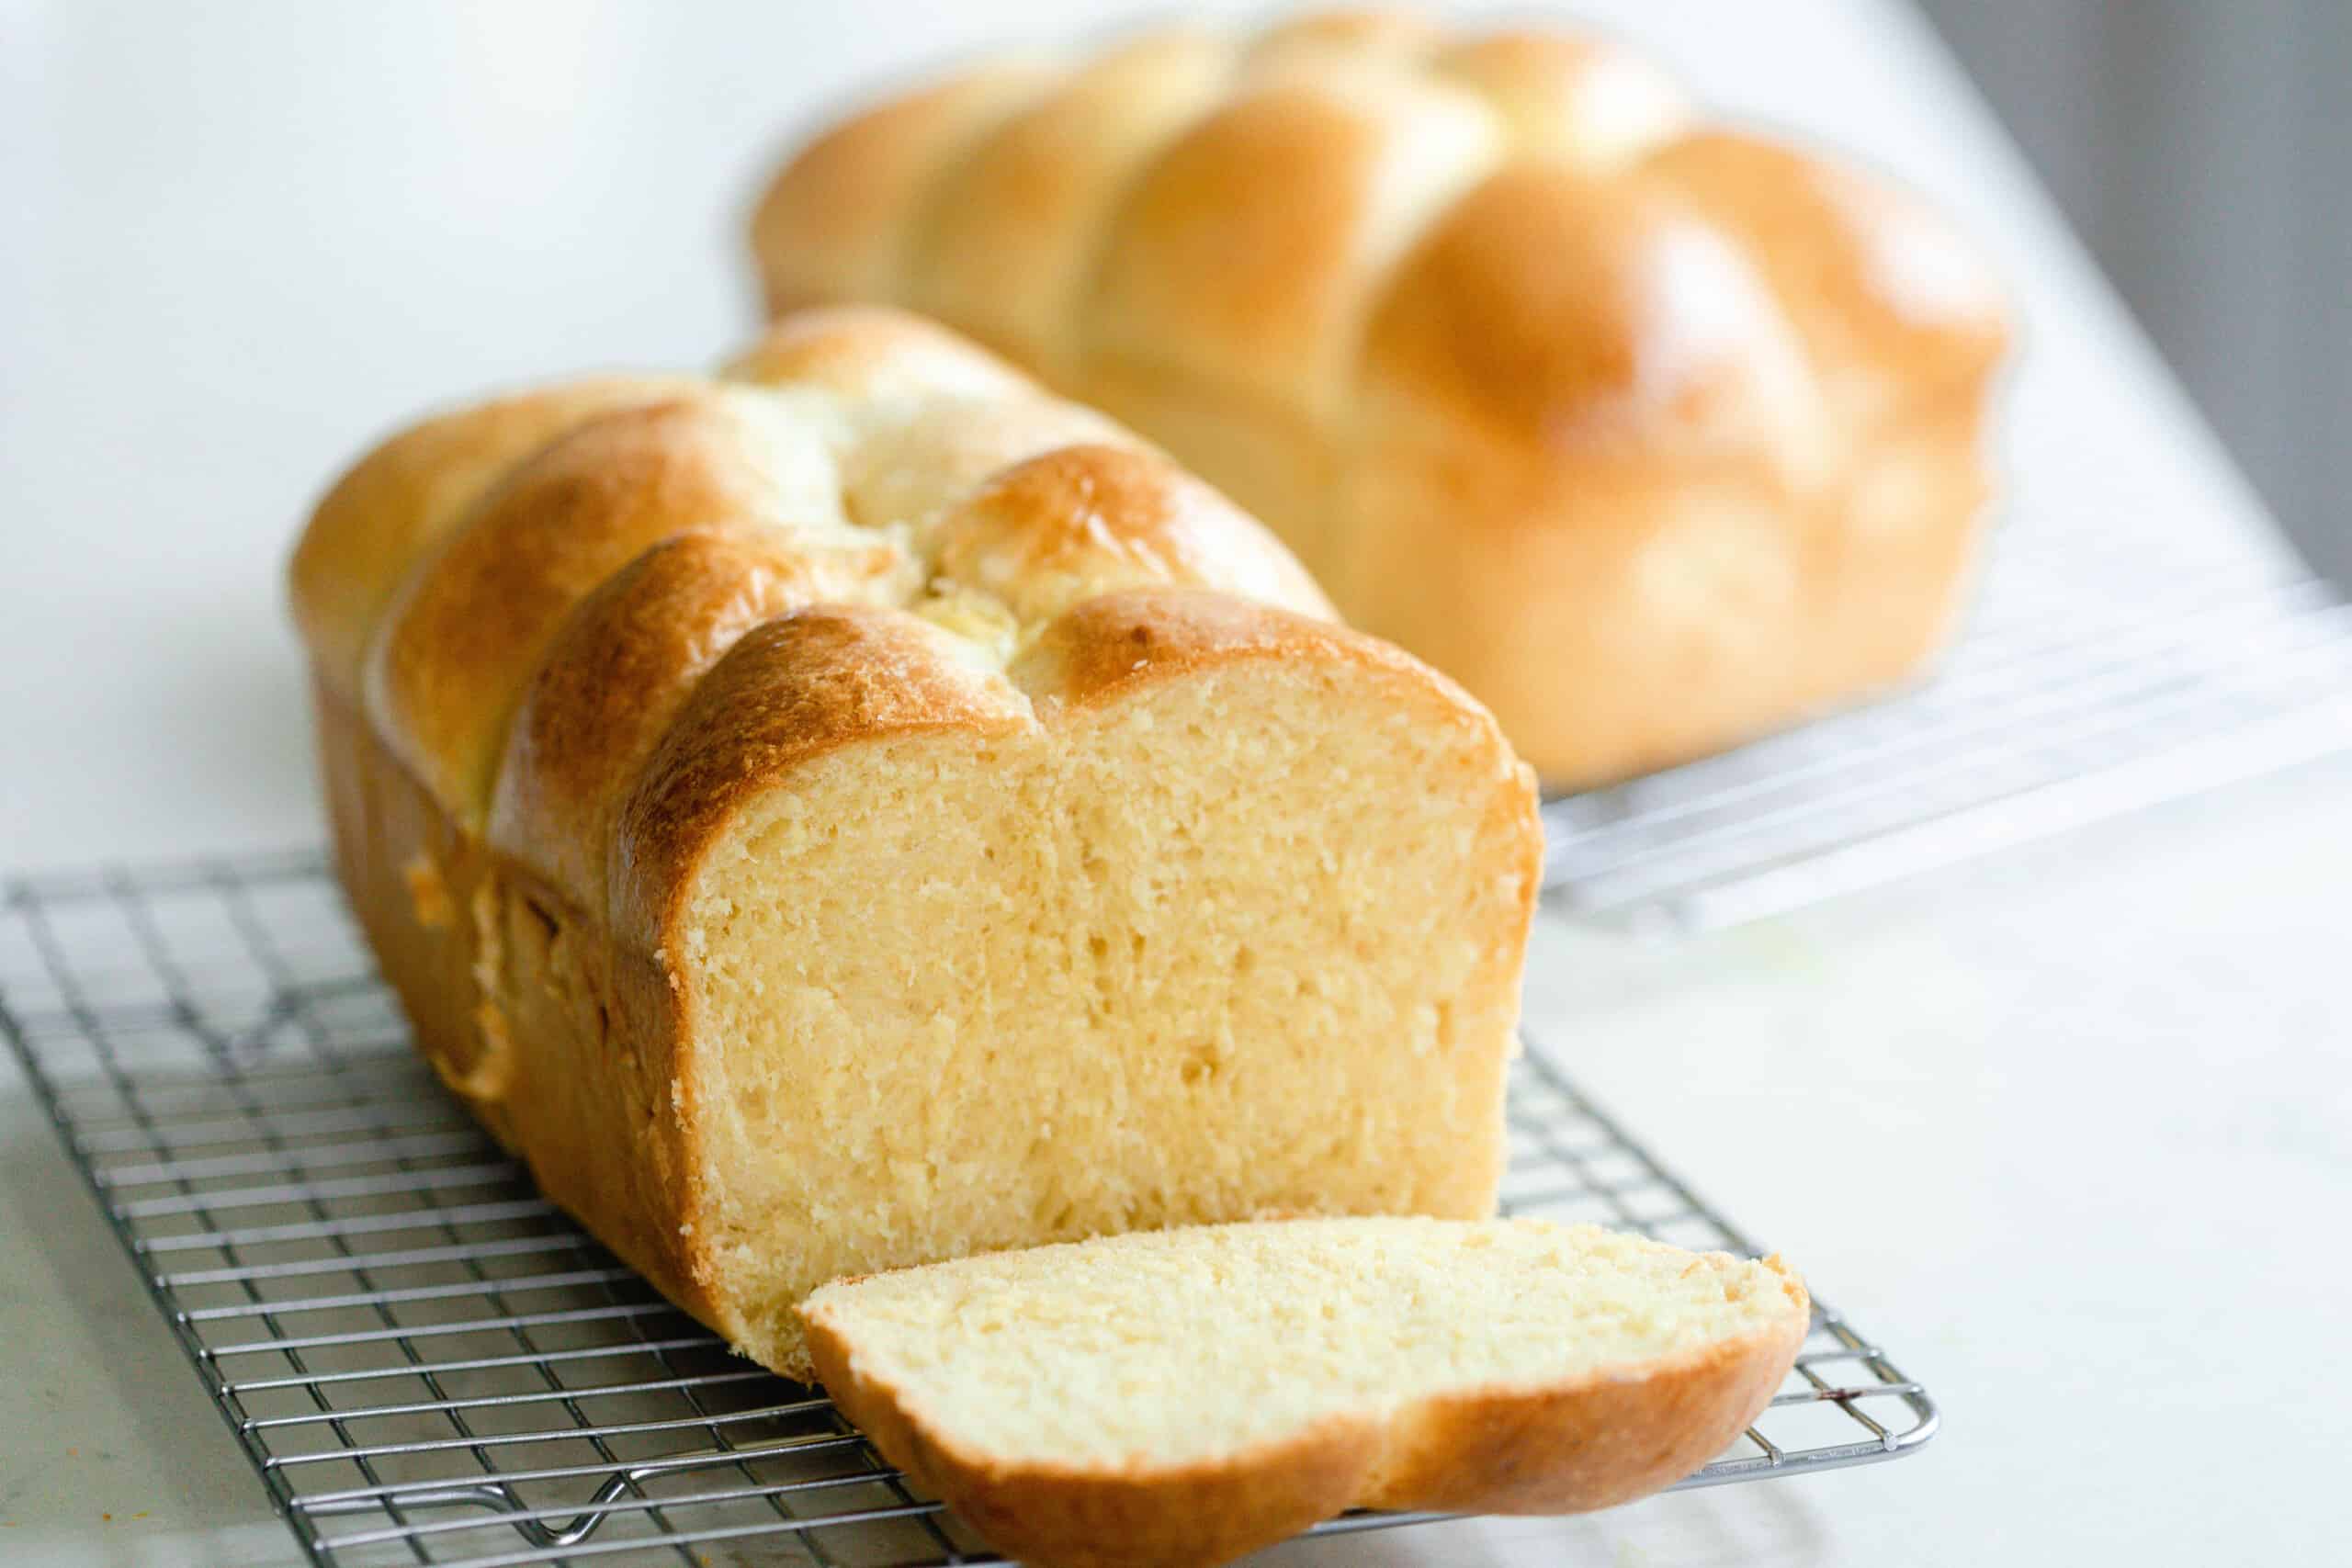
<point x="2066" y="1130"/>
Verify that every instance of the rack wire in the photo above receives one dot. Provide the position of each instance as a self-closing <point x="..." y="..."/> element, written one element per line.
<point x="428" y="1363"/>
<point x="2107" y="666"/>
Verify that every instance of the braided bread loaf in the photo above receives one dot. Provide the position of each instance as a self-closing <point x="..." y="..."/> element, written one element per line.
<point x="1655" y="436"/>
<point x="860" y="810"/>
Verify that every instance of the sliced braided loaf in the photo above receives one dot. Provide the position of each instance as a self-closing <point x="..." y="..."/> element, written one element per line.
<point x="860" y="810"/>
<point x="1655" y="436"/>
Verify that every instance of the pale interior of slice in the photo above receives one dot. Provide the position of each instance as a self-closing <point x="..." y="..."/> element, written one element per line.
<point x="1242" y="942"/>
<point x="1182" y="1345"/>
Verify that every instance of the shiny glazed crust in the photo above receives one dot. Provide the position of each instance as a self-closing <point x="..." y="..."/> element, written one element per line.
<point x="1655" y="434"/>
<point x="560" y="639"/>
<point x="1541" y="1448"/>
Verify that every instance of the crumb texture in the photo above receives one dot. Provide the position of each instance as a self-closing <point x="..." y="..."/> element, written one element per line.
<point x="1132" y="971"/>
<point x="1176" y="1348"/>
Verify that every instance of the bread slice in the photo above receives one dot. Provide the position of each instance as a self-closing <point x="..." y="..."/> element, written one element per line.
<point x="1185" y="1396"/>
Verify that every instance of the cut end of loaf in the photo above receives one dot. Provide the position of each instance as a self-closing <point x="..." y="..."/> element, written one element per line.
<point x="1209" y="1391"/>
<point x="1144" y="961"/>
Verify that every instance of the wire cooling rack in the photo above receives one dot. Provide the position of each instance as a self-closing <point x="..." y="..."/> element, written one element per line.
<point x="2107" y="666"/>
<point x="428" y="1363"/>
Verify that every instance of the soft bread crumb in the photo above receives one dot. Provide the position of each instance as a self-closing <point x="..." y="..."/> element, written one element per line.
<point x="1177" y="1346"/>
<point x="1126" y="976"/>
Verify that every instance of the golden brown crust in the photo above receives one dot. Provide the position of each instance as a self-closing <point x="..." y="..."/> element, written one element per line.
<point x="1031" y="196"/>
<point x="1106" y="645"/>
<point x="1244" y="253"/>
<point x="1512" y="387"/>
<point x="1531" y="313"/>
<point x="411" y="879"/>
<point x="470" y="627"/>
<point x="1696" y="637"/>
<point x="1080" y="520"/>
<point x="1571" y="1447"/>
<point x="394" y="505"/>
<point x="1781" y="520"/>
<point x="1396" y="283"/>
<point x="834" y="220"/>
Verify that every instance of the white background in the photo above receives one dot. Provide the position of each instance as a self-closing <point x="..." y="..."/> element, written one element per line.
<point x="2203" y="149"/>
<point x="2067" y="1130"/>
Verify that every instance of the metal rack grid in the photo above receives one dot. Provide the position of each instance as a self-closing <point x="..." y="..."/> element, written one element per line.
<point x="2104" y="668"/>
<point x="428" y="1363"/>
